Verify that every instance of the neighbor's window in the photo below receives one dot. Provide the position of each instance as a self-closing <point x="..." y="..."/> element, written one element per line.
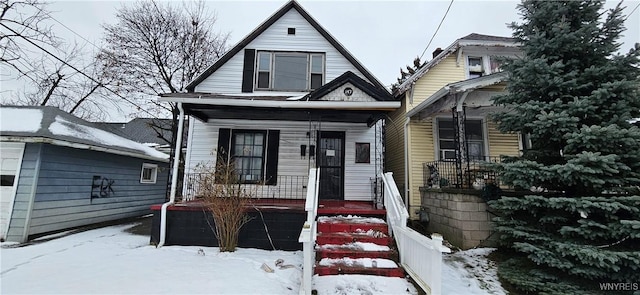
<point x="248" y="150"/>
<point x="289" y="71"/>
<point x="474" y="137"/>
<point x="149" y="173"/>
<point x="475" y="66"/>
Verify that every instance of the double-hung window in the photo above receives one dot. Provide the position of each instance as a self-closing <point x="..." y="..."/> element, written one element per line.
<point x="289" y="71"/>
<point x="248" y="155"/>
<point x="149" y="173"/>
<point x="474" y="139"/>
<point x="253" y="153"/>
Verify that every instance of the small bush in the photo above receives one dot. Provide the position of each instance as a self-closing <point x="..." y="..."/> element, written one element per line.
<point x="226" y="199"/>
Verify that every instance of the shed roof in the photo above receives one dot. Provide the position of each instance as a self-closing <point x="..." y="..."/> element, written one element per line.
<point x="52" y="125"/>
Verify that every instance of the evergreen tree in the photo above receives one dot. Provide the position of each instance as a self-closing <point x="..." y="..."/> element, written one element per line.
<point x="574" y="97"/>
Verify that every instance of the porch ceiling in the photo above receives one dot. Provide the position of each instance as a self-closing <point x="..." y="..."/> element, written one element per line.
<point x="207" y="112"/>
<point x="282" y="108"/>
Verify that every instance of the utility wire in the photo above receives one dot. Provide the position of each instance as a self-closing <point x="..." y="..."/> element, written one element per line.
<point x="437" y="29"/>
<point x="79" y="71"/>
<point x="630" y="13"/>
<point x="74" y="32"/>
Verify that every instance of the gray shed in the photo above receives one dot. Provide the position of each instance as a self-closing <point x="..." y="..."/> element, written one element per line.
<point x="59" y="172"/>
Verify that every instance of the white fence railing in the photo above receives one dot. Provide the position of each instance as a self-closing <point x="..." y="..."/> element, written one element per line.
<point x="309" y="232"/>
<point x="420" y="256"/>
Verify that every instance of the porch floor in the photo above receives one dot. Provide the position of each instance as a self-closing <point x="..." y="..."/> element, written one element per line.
<point x="325" y="207"/>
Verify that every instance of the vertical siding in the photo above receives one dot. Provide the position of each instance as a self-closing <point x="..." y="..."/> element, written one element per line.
<point x="63" y="195"/>
<point x="502" y="144"/>
<point x="437" y="77"/>
<point x="228" y="78"/>
<point x="11" y="158"/>
<point x="358" y="176"/>
<point x="24" y="193"/>
<point x="421" y="149"/>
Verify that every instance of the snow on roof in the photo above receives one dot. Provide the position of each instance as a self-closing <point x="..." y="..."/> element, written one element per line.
<point x="67" y="129"/>
<point x="24" y="120"/>
<point x="64" y="127"/>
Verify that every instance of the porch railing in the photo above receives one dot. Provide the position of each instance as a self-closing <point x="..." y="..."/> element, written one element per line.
<point x="289" y="187"/>
<point x="420" y="256"/>
<point x="472" y="173"/>
<point x="309" y="231"/>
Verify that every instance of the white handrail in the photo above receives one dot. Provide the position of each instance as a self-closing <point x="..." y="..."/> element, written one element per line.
<point x="309" y="233"/>
<point x="420" y="256"/>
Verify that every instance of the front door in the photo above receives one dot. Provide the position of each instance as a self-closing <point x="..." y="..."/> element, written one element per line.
<point x="330" y="160"/>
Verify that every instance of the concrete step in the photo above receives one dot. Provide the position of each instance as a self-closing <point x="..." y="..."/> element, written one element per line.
<point x="351" y="224"/>
<point x="365" y="266"/>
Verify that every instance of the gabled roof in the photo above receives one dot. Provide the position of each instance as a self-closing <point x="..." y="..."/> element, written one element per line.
<point x="51" y="125"/>
<point x="350" y="77"/>
<point x="458" y="87"/>
<point x="266" y="24"/>
<point x="472" y="39"/>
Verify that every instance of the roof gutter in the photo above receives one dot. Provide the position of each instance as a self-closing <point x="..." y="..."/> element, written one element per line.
<point x="338" y="105"/>
<point x="31" y="139"/>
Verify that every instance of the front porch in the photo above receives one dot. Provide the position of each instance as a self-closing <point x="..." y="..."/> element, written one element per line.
<point x="275" y="223"/>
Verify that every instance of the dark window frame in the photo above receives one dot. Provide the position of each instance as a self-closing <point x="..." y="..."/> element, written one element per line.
<point x="234" y="157"/>
<point x="313" y="78"/>
<point x="443" y="152"/>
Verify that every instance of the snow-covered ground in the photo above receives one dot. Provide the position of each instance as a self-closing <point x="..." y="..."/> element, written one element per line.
<point x="111" y="261"/>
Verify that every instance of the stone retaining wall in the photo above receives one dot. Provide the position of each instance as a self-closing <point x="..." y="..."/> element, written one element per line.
<point x="460" y="216"/>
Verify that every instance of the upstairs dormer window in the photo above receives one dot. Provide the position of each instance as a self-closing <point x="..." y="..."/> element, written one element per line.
<point x="478" y="66"/>
<point x="289" y="71"/>
<point x="475" y="66"/>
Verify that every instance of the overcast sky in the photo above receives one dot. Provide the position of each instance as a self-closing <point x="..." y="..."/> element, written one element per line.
<point x="382" y="35"/>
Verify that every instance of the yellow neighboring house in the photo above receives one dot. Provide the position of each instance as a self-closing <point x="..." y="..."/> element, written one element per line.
<point x="442" y="129"/>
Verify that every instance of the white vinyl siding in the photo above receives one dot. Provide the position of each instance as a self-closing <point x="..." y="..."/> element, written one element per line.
<point x="228" y="78"/>
<point x="204" y="140"/>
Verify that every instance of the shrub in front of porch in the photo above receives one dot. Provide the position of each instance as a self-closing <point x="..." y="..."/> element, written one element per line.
<point x="226" y="198"/>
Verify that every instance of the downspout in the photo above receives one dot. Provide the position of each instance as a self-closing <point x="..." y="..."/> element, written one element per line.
<point x="174" y="179"/>
<point x="406" y="163"/>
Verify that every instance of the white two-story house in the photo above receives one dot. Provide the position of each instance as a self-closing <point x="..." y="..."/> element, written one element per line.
<point x="286" y="98"/>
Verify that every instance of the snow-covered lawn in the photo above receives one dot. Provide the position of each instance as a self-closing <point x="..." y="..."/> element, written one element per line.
<point x="111" y="261"/>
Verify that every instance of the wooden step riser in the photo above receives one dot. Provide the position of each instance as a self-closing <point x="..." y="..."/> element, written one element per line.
<point x="340" y="240"/>
<point x="351" y="227"/>
<point x="336" y="254"/>
<point x="335" y="270"/>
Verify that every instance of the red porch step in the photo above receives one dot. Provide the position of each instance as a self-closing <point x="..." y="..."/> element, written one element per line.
<point x="340" y="251"/>
<point x="351" y="224"/>
<point x="355" y="245"/>
<point x="361" y="208"/>
<point x="338" y="238"/>
<point x="363" y="266"/>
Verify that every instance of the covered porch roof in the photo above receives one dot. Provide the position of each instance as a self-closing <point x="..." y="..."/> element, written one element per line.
<point x="216" y="106"/>
<point x="347" y="98"/>
<point x="454" y="95"/>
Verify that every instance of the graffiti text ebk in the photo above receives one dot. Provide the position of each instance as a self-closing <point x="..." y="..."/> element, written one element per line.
<point x="101" y="187"/>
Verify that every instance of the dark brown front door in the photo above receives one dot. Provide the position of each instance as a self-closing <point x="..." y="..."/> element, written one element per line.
<point x="330" y="160"/>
